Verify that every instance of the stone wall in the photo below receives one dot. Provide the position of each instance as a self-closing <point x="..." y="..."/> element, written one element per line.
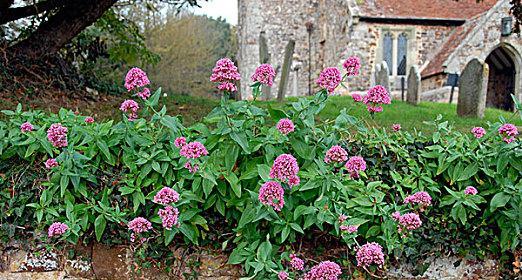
<point x="104" y="262"/>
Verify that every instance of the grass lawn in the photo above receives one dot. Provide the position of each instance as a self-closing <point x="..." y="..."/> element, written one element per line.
<point x="411" y="117"/>
<point x="195" y="108"/>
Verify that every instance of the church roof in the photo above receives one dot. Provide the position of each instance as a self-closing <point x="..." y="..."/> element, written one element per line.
<point x="436" y="64"/>
<point x="424" y="9"/>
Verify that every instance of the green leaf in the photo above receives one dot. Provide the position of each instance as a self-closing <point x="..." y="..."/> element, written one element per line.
<point x="284" y="233"/>
<point x="64" y="182"/>
<point x="126" y="190"/>
<point x="208" y="185"/>
<point x="234" y="183"/>
<point x="468" y="172"/>
<point x="190" y="232"/>
<point x="248" y="216"/>
<point x="99" y="226"/>
<point x="297" y="228"/>
<point x="303" y="210"/>
<point x="155" y="97"/>
<point x="264" y="251"/>
<point x="303" y="149"/>
<point x="373" y="231"/>
<point x="309" y="186"/>
<point x="264" y="171"/>
<point x="231" y="154"/>
<point x="30" y="150"/>
<point x="156" y="166"/>
<point x="169" y="236"/>
<point x="236" y="257"/>
<point x="499" y="200"/>
<point x="276" y="114"/>
<point x="241" y="139"/>
<point x="105" y="150"/>
<point x="172" y="123"/>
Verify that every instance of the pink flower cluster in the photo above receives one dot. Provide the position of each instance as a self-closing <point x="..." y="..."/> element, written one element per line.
<point x="326" y="270"/>
<point x="336" y="154"/>
<point x="478" y="132"/>
<point x="421" y="198"/>
<point x="342" y="218"/>
<point x="368" y="254"/>
<point x="396" y="127"/>
<point x="508" y="132"/>
<point x="408" y="222"/>
<point x="166" y="196"/>
<point x="136" y="78"/>
<point x="227" y="86"/>
<point x="285" y="126"/>
<point x="89" y="120"/>
<point x="354" y="165"/>
<point x="144" y="94"/>
<point x="470" y="190"/>
<point x="352" y="65"/>
<point x="282" y="275"/>
<point x="193" y="150"/>
<point x="396" y="215"/>
<point x="57" y="229"/>
<point x="285" y="169"/>
<point x="180" y="142"/>
<point x="169" y="217"/>
<point x="264" y="74"/>
<point x="349" y="229"/>
<point x="26" y="127"/>
<point x="51" y="163"/>
<point x="225" y="73"/>
<point x="139" y="225"/>
<point x="357" y="97"/>
<point x="272" y="194"/>
<point x="57" y="135"/>
<point x="130" y="106"/>
<point x="192" y="168"/>
<point x="375" y="98"/>
<point x="329" y="79"/>
<point x="296" y="263"/>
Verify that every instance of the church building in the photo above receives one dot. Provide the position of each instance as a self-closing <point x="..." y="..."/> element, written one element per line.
<point x="438" y="36"/>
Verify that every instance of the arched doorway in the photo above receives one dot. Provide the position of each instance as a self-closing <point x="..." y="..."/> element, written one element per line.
<point x="502" y="79"/>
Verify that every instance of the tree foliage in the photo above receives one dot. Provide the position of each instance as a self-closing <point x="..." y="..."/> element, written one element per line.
<point x="187" y="56"/>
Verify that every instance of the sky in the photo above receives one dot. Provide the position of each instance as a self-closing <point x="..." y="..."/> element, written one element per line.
<point x="214" y="8"/>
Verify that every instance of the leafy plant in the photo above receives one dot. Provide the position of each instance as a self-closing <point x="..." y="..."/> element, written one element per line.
<point x="110" y="172"/>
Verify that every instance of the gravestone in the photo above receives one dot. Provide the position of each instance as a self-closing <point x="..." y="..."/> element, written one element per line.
<point x="414" y="86"/>
<point x="473" y="86"/>
<point x="285" y="72"/>
<point x="376" y="73"/>
<point x="382" y="75"/>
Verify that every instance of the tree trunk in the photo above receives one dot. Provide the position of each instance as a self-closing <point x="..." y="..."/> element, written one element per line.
<point x="61" y="28"/>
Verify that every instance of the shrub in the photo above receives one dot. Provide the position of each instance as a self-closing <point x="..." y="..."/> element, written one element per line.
<point x="147" y="179"/>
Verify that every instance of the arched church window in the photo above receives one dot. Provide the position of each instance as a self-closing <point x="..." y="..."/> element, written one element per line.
<point x="388" y="50"/>
<point x="402" y="53"/>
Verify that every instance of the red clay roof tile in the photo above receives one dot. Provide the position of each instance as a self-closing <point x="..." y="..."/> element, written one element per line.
<point x="424" y="9"/>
